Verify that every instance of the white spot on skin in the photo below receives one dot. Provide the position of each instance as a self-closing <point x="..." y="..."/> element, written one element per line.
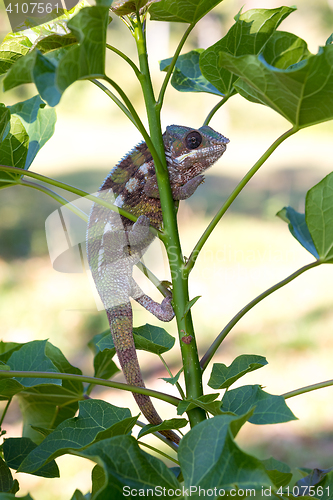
<point x="144" y="168"/>
<point x="107" y="228"/>
<point x="131" y="185"/>
<point x="119" y="201"/>
<point x="181" y="158"/>
<point x="100" y="259"/>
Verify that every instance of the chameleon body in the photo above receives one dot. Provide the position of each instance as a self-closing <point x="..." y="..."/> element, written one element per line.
<point x="115" y="244"/>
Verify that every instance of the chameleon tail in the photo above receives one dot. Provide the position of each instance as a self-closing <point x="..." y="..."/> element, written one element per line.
<point x="120" y="320"/>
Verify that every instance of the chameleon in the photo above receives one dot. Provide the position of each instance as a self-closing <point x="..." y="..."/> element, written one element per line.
<point x="115" y="244"/>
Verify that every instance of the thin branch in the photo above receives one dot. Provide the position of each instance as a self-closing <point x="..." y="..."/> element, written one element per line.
<point x="172" y="66"/>
<point x="56" y="197"/>
<point x="306" y="389"/>
<point x="196" y="250"/>
<point x="217" y="342"/>
<point x="91" y="380"/>
<point x="156" y="450"/>
<point x="127" y="59"/>
<point x="115" y="100"/>
<point x="79" y="192"/>
<point x="216" y="108"/>
<point x="5" y="411"/>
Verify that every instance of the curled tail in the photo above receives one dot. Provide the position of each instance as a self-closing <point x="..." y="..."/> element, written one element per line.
<point x="120" y="320"/>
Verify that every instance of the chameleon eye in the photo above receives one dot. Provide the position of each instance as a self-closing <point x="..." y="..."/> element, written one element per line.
<point x="193" y="140"/>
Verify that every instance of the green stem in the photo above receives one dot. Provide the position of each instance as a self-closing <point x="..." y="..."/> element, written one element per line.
<point x="170" y="238"/>
<point x="155" y="281"/>
<point x="91" y="380"/>
<point x="127" y="59"/>
<point x="179" y="387"/>
<point x="134" y="114"/>
<point x="306" y="389"/>
<point x="195" y="252"/>
<point x="217" y="342"/>
<point x="156" y="450"/>
<point x="172" y="66"/>
<point x="115" y="100"/>
<point x="71" y="189"/>
<point x="216" y="108"/>
<point x="55" y="196"/>
<point x="5" y="411"/>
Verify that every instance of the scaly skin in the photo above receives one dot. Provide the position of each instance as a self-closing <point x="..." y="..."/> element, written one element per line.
<point x="115" y="244"/>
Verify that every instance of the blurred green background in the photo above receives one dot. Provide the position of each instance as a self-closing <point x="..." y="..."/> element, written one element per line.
<point x="250" y="250"/>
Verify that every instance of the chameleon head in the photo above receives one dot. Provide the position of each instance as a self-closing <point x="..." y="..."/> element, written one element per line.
<point x="191" y="151"/>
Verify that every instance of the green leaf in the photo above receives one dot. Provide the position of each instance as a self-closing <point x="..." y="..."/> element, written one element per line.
<point x="56" y="41"/>
<point x="206" y="402"/>
<point x="38" y="122"/>
<point x="302" y="93"/>
<point x="98" y="479"/>
<point x="17" y="449"/>
<point x="53" y="72"/>
<point x="7" y="348"/>
<point x="125" y="7"/>
<point x="319" y="216"/>
<point x="147" y="338"/>
<point x="6" y="478"/>
<point x="268" y="409"/>
<point x="97" y="420"/>
<point x="279" y="472"/>
<point x="14" y="148"/>
<point x="32" y="357"/>
<point x="284" y="49"/>
<point x="104" y="366"/>
<point x="209" y="457"/>
<point x="78" y="495"/>
<point x="173" y="380"/>
<point x="223" y="376"/>
<point x="12" y="49"/>
<point x="126" y="466"/>
<point x="181" y="11"/>
<point x="4" y="121"/>
<point x="190" y="304"/>
<point x="173" y="423"/>
<point x="298" y="228"/>
<point x="314" y="478"/>
<point x="248" y="35"/>
<point x="187" y="76"/>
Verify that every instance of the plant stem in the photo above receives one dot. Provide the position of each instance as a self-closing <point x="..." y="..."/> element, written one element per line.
<point x="124" y="56"/>
<point x="71" y="189"/>
<point x="170" y="236"/>
<point x="115" y="100"/>
<point x="196" y="250"/>
<point x="5" y="411"/>
<point x="216" y="108"/>
<point x="217" y="342"/>
<point x="308" y="388"/>
<point x="179" y="387"/>
<point x="91" y="380"/>
<point x="172" y="66"/>
<point x="156" y="450"/>
<point x="55" y="196"/>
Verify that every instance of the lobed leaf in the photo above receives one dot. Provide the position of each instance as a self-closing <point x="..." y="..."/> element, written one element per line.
<point x="223" y="376"/>
<point x="17" y="449"/>
<point x="147" y="338"/>
<point x="97" y="420"/>
<point x="54" y="71"/>
<point x="4" y="121"/>
<point x="301" y="93"/>
<point x="248" y="35"/>
<point x="6" y="478"/>
<point x="209" y="457"/>
<point x="206" y="402"/>
<point x="181" y="11"/>
<point x="268" y="408"/>
<point x="126" y="465"/>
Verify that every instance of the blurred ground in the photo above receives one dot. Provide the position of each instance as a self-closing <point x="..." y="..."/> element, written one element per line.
<point x="250" y="250"/>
